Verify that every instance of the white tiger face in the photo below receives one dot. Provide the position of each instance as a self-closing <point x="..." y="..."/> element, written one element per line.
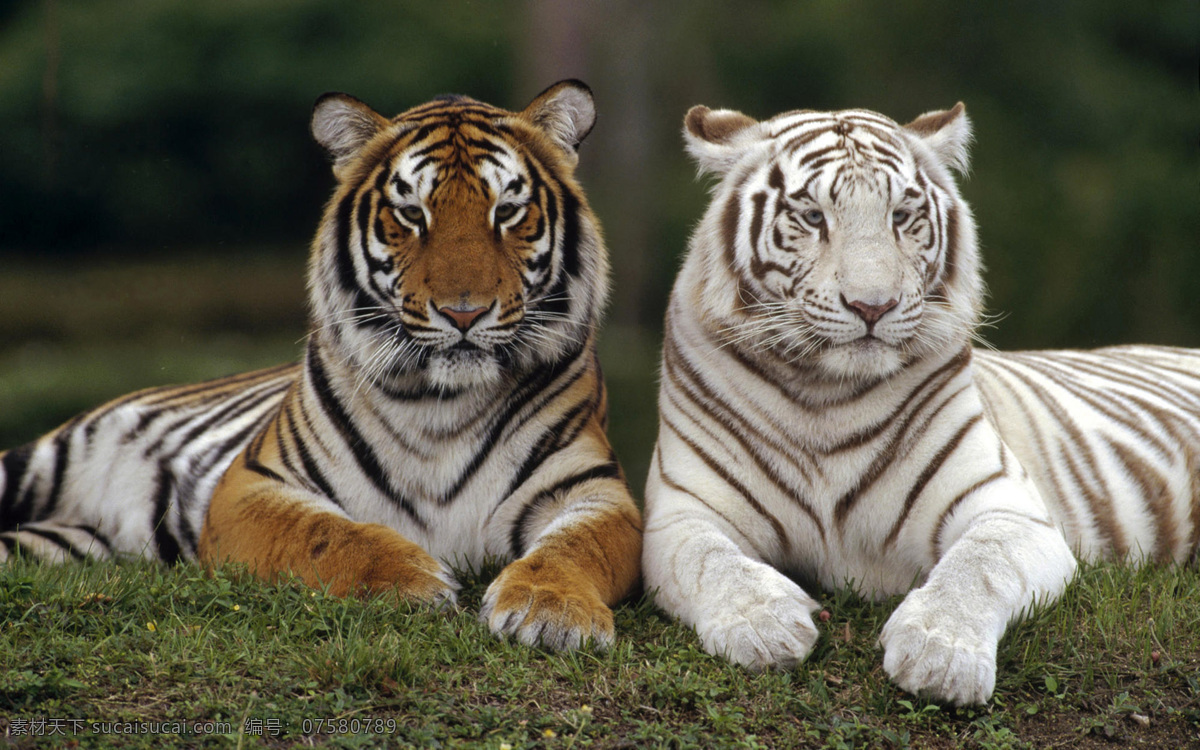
<point x="844" y="232"/>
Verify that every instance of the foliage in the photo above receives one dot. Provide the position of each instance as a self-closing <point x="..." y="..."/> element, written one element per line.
<point x="141" y="125"/>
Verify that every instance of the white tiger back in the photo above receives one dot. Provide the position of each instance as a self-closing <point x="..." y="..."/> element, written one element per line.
<point x="1112" y="440"/>
<point x="822" y="411"/>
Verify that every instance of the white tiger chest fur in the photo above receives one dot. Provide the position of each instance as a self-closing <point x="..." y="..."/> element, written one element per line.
<point x="832" y="482"/>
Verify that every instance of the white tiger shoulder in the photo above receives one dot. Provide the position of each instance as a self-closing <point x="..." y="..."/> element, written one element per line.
<point x="823" y="412"/>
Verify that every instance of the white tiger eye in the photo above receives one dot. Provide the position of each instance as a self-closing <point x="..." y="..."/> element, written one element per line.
<point x="412" y="214"/>
<point x="814" y="217"/>
<point x="899" y="216"/>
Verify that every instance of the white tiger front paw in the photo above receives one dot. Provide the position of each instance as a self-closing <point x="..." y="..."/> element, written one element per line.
<point x="765" y="622"/>
<point x="928" y="651"/>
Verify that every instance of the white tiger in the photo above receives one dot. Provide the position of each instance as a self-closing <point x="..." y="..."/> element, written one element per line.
<point x="823" y="413"/>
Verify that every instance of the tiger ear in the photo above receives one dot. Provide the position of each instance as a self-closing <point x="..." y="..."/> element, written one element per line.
<point x="716" y="138"/>
<point x="566" y="112"/>
<point x="947" y="133"/>
<point x="342" y="125"/>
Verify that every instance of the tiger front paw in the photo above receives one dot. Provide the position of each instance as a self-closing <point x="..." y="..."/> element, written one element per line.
<point x="929" y="653"/>
<point x="773" y="633"/>
<point x="760" y="620"/>
<point x="424" y="581"/>
<point x="539" y="603"/>
<point x="376" y="561"/>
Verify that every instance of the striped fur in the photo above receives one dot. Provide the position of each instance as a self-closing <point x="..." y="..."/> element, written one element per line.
<point x="449" y="408"/>
<point x="823" y="414"/>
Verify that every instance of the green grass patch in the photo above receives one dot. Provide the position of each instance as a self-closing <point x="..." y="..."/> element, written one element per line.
<point x="224" y="660"/>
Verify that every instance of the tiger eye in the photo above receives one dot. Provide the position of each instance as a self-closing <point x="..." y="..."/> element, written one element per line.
<point x="412" y="214"/>
<point x="506" y="211"/>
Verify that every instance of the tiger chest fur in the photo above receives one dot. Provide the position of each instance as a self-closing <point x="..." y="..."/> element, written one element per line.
<point x="822" y="412"/>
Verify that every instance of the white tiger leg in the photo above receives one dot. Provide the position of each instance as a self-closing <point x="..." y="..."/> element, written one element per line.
<point x="741" y="608"/>
<point x="941" y="641"/>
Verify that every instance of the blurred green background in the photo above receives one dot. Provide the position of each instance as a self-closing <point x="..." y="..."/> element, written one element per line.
<point x="158" y="186"/>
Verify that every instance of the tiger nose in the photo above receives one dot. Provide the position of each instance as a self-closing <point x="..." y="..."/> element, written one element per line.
<point x="462" y="319"/>
<point x="868" y="312"/>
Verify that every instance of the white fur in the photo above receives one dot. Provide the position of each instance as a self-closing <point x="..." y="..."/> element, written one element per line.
<point x="873" y="462"/>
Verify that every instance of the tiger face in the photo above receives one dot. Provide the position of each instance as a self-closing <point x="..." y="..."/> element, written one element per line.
<point x="457" y="248"/>
<point x="845" y="234"/>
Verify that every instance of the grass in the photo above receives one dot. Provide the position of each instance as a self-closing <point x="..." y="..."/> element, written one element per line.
<point x="1117" y="660"/>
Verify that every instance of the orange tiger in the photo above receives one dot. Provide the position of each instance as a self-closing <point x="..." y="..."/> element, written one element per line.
<point x="449" y="407"/>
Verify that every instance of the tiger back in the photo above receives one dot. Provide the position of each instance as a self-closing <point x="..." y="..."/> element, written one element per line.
<point x="823" y="413"/>
<point x="449" y="407"/>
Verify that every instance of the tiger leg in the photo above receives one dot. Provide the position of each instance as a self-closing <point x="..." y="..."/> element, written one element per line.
<point x="277" y="530"/>
<point x="585" y="560"/>
<point x="1002" y="556"/>
<point x="741" y="607"/>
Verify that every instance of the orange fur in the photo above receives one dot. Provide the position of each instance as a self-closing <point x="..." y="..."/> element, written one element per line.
<point x="259" y="521"/>
<point x="574" y="576"/>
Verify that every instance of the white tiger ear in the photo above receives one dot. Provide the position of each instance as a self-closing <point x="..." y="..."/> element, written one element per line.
<point x="343" y="125"/>
<point x="717" y="138"/>
<point x="947" y="133"/>
<point x="566" y="112"/>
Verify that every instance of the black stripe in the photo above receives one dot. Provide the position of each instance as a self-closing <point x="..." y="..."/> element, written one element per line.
<point x="374" y="265"/>
<point x="484" y="145"/>
<point x="56" y="539"/>
<point x="535" y="384"/>
<point x="420" y="394"/>
<point x="570" y="237"/>
<point x="62" y="447"/>
<point x="16" y="464"/>
<point x="216" y="453"/>
<point x="553" y="439"/>
<point x="311" y="469"/>
<point x="97" y="535"/>
<point x="364" y="456"/>
<point x="608" y="470"/>
<point x="236" y="406"/>
<point x="253" y="449"/>
<point x="344" y="263"/>
<point x="165" y="543"/>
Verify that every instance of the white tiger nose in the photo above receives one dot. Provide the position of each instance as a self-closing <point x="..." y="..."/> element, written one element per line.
<point x="870" y="313"/>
